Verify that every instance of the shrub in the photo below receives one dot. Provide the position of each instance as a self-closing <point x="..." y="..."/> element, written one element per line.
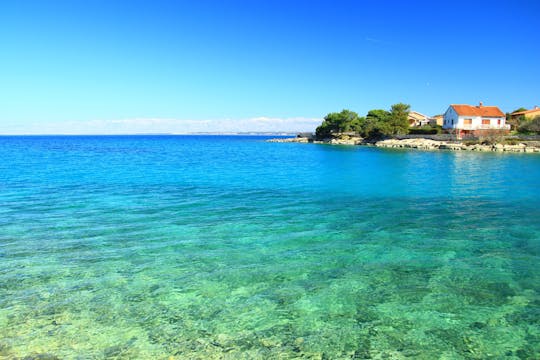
<point x="491" y="136"/>
<point x="425" y="130"/>
<point x="532" y="126"/>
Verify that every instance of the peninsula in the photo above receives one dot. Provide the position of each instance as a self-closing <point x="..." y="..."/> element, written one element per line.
<point x="462" y="127"/>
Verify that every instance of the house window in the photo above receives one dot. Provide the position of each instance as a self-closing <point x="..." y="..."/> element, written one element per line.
<point x="486" y="122"/>
<point x="499" y="122"/>
<point x="467" y="121"/>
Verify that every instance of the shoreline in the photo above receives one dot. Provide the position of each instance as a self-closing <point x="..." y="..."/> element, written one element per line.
<point x="421" y="144"/>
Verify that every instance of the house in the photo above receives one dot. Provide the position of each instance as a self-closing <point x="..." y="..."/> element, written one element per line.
<point x="436" y="120"/>
<point x="417" y="119"/>
<point x="527" y="114"/>
<point x="469" y="119"/>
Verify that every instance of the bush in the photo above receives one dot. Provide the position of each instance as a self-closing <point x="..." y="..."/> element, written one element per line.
<point x="512" y="141"/>
<point x="491" y="136"/>
<point x="425" y="130"/>
<point x="532" y="126"/>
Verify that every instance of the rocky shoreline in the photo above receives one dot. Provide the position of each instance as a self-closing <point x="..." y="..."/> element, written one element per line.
<point x="422" y="144"/>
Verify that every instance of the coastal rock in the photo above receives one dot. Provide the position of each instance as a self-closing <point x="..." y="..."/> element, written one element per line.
<point x="349" y="140"/>
<point x="427" y="144"/>
<point x="515" y="148"/>
<point x="290" y="140"/>
<point x="424" y="144"/>
<point x="498" y="147"/>
<point x="421" y="144"/>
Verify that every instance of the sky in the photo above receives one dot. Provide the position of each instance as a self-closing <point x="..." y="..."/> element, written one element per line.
<point x="112" y="67"/>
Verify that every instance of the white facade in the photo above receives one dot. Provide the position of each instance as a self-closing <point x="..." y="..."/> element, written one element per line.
<point x="452" y="120"/>
<point x="417" y="119"/>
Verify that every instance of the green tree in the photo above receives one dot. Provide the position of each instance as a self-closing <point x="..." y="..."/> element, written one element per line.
<point x="519" y="110"/>
<point x="335" y="123"/>
<point x="377" y="115"/>
<point x="375" y="124"/>
<point x="398" y="119"/>
<point x="382" y="123"/>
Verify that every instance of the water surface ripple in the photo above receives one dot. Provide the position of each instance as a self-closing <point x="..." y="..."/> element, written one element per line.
<point x="198" y="247"/>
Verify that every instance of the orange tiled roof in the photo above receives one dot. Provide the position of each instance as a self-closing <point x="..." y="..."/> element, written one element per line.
<point x="526" y="112"/>
<point x="469" y="110"/>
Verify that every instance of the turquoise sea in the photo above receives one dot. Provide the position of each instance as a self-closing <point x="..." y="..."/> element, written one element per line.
<point x="216" y="247"/>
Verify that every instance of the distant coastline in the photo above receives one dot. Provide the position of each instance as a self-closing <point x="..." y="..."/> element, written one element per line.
<point x="249" y="133"/>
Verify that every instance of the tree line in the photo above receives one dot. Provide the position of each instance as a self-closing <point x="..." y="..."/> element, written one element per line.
<point x="380" y="123"/>
<point x="376" y="124"/>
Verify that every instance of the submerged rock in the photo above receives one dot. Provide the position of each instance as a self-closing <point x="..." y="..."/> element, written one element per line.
<point x="43" y="356"/>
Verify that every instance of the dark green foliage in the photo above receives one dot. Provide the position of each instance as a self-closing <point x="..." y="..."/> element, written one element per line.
<point x="398" y="122"/>
<point x="378" y="115"/>
<point x="377" y="124"/>
<point x="335" y="123"/>
<point x="426" y="130"/>
<point x="382" y="123"/>
<point x="532" y="126"/>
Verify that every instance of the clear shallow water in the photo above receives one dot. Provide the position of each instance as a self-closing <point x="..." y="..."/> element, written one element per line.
<point x="230" y="247"/>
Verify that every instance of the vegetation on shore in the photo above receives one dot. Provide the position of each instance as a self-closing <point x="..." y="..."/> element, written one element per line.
<point x="523" y="124"/>
<point x="530" y="126"/>
<point x="377" y="123"/>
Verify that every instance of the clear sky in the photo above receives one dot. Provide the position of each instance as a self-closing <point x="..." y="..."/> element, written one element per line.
<point x="178" y="66"/>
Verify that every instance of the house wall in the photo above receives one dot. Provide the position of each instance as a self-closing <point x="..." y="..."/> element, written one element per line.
<point x="529" y="115"/>
<point x="417" y="119"/>
<point x="436" y="121"/>
<point x="477" y="123"/>
<point x="450" y="119"/>
<point x="453" y="121"/>
<point x="532" y="114"/>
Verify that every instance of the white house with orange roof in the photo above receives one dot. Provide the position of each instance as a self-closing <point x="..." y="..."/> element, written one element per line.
<point x="474" y="119"/>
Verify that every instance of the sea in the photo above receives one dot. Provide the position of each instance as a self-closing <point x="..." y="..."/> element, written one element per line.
<point x="231" y="247"/>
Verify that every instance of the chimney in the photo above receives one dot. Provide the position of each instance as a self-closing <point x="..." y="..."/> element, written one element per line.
<point x="481" y="104"/>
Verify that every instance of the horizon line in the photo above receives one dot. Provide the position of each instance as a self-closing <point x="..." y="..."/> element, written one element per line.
<point x="216" y="133"/>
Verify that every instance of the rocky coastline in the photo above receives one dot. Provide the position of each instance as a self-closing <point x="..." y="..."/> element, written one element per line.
<point x="423" y="144"/>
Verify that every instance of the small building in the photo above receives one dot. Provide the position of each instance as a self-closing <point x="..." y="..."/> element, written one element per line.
<point x="469" y="119"/>
<point x="417" y="119"/>
<point x="527" y="114"/>
<point x="436" y="120"/>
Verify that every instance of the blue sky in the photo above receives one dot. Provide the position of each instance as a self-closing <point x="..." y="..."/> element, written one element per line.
<point x="180" y="66"/>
